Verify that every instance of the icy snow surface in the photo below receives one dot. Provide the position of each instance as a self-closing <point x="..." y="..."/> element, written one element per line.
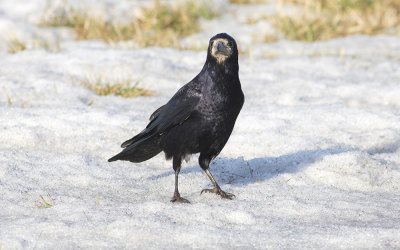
<point x="313" y="160"/>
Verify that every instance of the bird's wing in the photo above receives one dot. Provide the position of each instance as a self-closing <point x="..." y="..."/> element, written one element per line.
<point x="156" y="112"/>
<point x="140" y="135"/>
<point x="175" y="112"/>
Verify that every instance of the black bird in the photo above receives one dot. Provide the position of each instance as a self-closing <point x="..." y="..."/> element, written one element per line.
<point x="199" y="118"/>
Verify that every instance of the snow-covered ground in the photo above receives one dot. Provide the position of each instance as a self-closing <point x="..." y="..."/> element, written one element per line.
<point x="313" y="161"/>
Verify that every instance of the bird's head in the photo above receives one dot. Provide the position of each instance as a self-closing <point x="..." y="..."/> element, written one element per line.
<point x="223" y="49"/>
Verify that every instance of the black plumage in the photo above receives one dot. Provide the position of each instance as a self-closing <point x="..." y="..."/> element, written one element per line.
<point x="199" y="118"/>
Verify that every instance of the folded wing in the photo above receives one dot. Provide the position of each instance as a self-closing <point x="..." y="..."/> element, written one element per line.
<point x="145" y="145"/>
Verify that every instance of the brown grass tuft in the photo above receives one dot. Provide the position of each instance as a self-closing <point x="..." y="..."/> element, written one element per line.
<point x="14" y="45"/>
<point x="248" y="1"/>
<point x="9" y="102"/>
<point x="326" y="19"/>
<point x="123" y="88"/>
<point x="161" y="25"/>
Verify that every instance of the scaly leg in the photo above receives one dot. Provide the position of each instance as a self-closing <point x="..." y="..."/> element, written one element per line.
<point x="177" y="167"/>
<point x="204" y="164"/>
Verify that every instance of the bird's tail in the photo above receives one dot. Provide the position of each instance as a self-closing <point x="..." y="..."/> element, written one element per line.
<point x="139" y="151"/>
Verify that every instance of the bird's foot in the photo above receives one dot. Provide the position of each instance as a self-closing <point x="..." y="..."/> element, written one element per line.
<point x="218" y="191"/>
<point x="177" y="198"/>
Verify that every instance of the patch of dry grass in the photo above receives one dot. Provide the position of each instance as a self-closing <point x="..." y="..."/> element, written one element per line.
<point x="15" y="45"/>
<point x="327" y="19"/>
<point x="9" y="102"/>
<point x="44" y="203"/>
<point x="248" y="1"/>
<point x="123" y="88"/>
<point x="160" y="25"/>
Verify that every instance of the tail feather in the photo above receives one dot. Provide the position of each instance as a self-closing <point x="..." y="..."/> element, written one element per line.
<point x="140" y="151"/>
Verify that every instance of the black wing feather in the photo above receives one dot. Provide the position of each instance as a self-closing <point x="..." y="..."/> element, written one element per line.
<point x="140" y="135"/>
<point x="176" y="111"/>
<point x="156" y="112"/>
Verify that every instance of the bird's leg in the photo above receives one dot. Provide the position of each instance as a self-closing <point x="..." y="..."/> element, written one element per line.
<point x="204" y="163"/>
<point x="217" y="189"/>
<point x="177" y="167"/>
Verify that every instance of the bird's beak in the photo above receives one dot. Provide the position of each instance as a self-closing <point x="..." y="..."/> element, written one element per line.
<point x="221" y="49"/>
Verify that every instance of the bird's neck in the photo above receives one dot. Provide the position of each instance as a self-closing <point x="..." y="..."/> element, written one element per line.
<point x="222" y="71"/>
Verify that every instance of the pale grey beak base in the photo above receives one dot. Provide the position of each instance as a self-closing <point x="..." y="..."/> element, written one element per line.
<point x="221" y="49"/>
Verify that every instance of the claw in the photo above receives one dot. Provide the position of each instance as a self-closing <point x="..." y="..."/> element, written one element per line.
<point x="178" y="198"/>
<point x="218" y="191"/>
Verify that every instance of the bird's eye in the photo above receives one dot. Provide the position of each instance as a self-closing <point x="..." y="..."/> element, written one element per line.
<point x="230" y="43"/>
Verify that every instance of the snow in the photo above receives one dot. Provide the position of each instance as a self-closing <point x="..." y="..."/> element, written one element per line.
<point x="313" y="160"/>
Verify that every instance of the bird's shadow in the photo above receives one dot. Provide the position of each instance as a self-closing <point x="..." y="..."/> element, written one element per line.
<point x="238" y="172"/>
